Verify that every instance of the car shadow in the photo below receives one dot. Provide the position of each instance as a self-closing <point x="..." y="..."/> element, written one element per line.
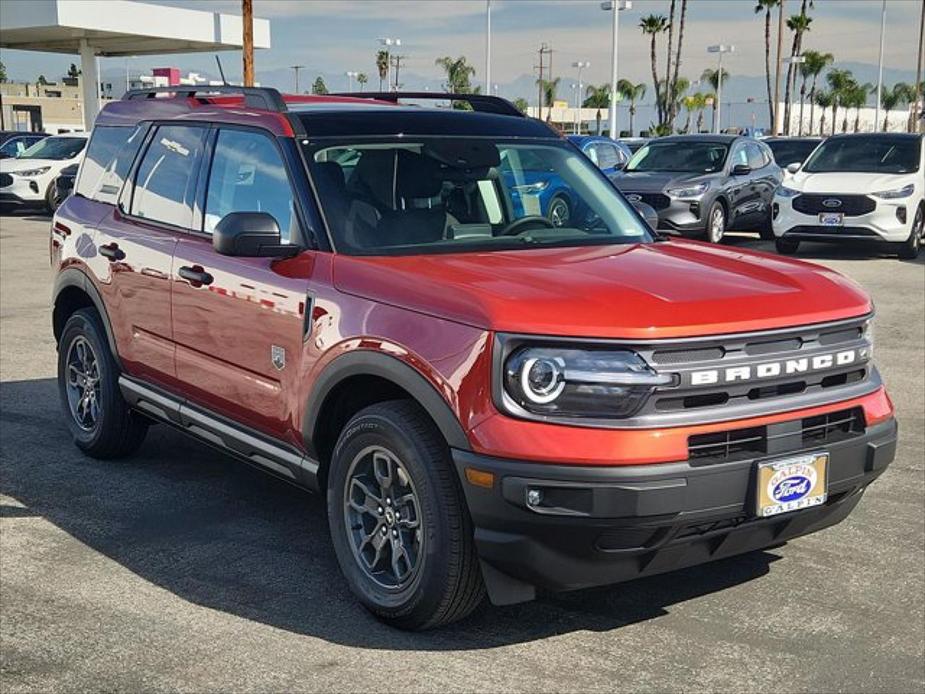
<point x="215" y="532"/>
<point x="845" y="250"/>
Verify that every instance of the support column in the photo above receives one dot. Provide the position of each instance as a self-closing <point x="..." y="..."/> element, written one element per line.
<point x="89" y="84"/>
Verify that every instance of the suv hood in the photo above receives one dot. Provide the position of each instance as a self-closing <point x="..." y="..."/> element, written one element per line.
<point x="638" y="291"/>
<point x="848" y="183"/>
<point x="657" y="181"/>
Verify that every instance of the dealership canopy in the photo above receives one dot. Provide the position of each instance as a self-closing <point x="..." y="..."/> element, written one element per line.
<point x="94" y="28"/>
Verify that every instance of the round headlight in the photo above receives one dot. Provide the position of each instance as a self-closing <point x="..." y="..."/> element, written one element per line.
<point x="541" y="379"/>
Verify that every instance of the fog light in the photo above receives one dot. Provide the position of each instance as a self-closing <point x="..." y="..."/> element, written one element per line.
<point x="33" y="186"/>
<point x="534" y="497"/>
<point x="901" y="214"/>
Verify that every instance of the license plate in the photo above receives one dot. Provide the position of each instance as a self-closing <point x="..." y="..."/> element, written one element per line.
<point x="791" y="484"/>
<point x="831" y="219"/>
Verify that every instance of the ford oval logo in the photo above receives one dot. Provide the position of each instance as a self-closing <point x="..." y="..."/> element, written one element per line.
<point x="791" y="488"/>
<point x="632" y="197"/>
<point x="832" y="202"/>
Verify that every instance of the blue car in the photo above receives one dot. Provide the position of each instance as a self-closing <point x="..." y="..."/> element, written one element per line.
<point x="542" y="192"/>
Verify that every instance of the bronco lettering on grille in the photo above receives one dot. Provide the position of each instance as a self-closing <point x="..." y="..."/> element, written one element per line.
<point x="773" y="369"/>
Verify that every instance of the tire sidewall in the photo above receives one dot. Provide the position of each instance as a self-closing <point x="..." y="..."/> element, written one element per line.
<point x="424" y="592"/>
<point x="717" y="205"/>
<point x="560" y="201"/>
<point x="913" y="245"/>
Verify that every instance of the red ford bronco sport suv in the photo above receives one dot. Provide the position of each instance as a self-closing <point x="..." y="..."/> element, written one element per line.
<point x="362" y="297"/>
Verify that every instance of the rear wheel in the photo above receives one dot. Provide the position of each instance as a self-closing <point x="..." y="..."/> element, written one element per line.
<point x="98" y="417"/>
<point x="716" y="223"/>
<point x="399" y="524"/>
<point x="909" y="249"/>
<point x="786" y="246"/>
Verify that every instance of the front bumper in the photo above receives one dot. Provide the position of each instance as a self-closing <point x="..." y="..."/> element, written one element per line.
<point x="883" y="224"/>
<point x="600" y="525"/>
<point x="685" y="216"/>
<point x="23" y="191"/>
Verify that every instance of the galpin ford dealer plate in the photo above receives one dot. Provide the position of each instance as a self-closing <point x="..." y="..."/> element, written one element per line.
<point x="791" y="484"/>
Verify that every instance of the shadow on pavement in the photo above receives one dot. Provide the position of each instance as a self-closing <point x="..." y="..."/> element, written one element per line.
<point x="844" y="250"/>
<point x="217" y="533"/>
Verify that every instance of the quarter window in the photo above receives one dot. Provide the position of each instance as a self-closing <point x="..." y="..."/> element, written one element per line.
<point x="166" y="181"/>
<point x="248" y="175"/>
<point x="106" y="164"/>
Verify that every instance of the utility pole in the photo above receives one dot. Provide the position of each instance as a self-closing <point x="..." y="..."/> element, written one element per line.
<point x="780" y="49"/>
<point x="398" y="59"/>
<point x="296" y="69"/>
<point x="880" y="66"/>
<point x="247" y="15"/>
<point x="544" y="49"/>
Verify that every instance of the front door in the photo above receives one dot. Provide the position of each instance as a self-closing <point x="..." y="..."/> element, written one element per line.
<point x="238" y="322"/>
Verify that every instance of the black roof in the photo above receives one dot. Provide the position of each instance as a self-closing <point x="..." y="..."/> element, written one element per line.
<point x="795" y="138"/>
<point x="881" y="136"/>
<point x="703" y="137"/>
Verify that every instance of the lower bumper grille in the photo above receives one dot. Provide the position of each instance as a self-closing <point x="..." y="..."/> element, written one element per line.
<point x="5" y="180"/>
<point x="657" y="200"/>
<point x="830" y="231"/>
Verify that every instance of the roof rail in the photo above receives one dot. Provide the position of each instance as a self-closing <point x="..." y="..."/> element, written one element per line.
<point x="266" y="98"/>
<point x="479" y="102"/>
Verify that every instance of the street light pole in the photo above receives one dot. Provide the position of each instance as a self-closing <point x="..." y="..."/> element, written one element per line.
<point x="580" y="64"/>
<point x="488" y="46"/>
<point x="388" y="43"/>
<point x="880" y="65"/>
<point x="350" y="75"/>
<point x="719" y="49"/>
<point x="614" y="6"/>
<point x="295" y="69"/>
<point x="778" y="115"/>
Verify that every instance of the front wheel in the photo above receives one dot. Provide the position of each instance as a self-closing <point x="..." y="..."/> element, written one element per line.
<point x="52" y="199"/>
<point x="559" y="212"/>
<point x="909" y="249"/>
<point x="716" y="223"/>
<point x="786" y="246"/>
<point x="398" y="521"/>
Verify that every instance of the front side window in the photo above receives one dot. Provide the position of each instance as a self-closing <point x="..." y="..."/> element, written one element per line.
<point x="15" y="146"/>
<point x="881" y="154"/>
<point x="443" y="194"/>
<point x="248" y="175"/>
<point x="683" y="157"/>
<point x="107" y="162"/>
<point x="756" y="158"/>
<point x="166" y="180"/>
<point x="56" y="148"/>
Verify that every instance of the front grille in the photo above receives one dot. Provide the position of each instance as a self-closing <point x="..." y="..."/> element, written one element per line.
<point x="5" y="180"/>
<point x="754" y="442"/>
<point x="816" y="230"/>
<point x="657" y="200"/>
<point x="851" y="205"/>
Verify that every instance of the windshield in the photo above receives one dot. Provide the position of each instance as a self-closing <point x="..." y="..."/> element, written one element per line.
<point x="401" y="196"/>
<point x="791" y="152"/>
<point x="684" y="157"/>
<point x="59" y="148"/>
<point x="886" y="155"/>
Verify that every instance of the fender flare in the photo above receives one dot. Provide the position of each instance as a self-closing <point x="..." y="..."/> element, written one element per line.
<point x="369" y="363"/>
<point x="73" y="277"/>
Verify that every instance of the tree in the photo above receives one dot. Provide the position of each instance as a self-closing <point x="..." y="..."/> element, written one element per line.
<point x="666" y="85"/>
<point x="706" y="101"/>
<point x="677" y="61"/>
<point x="73" y="71"/>
<point x="362" y="79"/>
<point x="382" y="66"/>
<point x="458" y="74"/>
<point x="839" y="81"/>
<point x="857" y="99"/>
<point x="766" y="6"/>
<point x="653" y="25"/>
<point x="712" y="77"/>
<point x="815" y="63"/>
<point x="598" y="97"/>
<point x="2" y="72"/>
<point x="319" y="87"/>
<point x="41" y="80"/>
<point x="900" y="94"/>
<point x="521" y="104"/>
<point x="548" y="88"/>
<point x="632" y="93"/>
<point x="798" y="24"/>
<point x="824" y="100"/>
<point x="693" y="102"/>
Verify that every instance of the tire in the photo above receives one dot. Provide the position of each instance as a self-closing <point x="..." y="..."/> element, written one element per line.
<point x="436" y="578"/>
<point x="51" y="198"/>
<point x="560" y="212"/>
<point x="786" y="246"/>
<point x="766" y="232"/>
<point x="909" y="249"/>
<point x="716" y="222"/>
<point x="98" y="417"/>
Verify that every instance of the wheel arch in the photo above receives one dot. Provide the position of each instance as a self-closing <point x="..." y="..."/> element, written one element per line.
<point x="73" y="290"/>
<point x="361" y="378"/>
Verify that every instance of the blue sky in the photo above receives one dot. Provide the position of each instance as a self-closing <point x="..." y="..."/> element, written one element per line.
<point x="331" y="36"/>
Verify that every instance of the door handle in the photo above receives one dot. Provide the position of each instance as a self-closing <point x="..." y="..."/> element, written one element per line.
<point x="112" y="252"/>
<point x="195" y="275"/>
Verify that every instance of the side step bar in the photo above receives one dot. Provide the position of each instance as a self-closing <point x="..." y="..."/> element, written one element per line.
<point x="241" y="442"/>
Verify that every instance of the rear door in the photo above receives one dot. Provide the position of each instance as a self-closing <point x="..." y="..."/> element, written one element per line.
<point x="239" y="332"/>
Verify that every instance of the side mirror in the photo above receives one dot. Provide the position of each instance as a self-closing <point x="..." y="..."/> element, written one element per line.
<point x="794" y="167"/>
<point x="741" y="170"/>
<point x="250" y="235"/>
<point x="648" y="213"/>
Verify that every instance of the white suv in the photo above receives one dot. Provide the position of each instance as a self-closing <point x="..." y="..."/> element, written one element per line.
<point x="861" y="187"/>
<point x="29" y="179"/>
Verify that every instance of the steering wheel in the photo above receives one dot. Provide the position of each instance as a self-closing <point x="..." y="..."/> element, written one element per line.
<point x="517" y="225"/>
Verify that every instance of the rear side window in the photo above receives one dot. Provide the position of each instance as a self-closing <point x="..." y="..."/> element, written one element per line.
<point x="166" y="180"/>
<point x="248" y="175"/>
<point x="756" y="157"/>
<point x="107" y="162"/>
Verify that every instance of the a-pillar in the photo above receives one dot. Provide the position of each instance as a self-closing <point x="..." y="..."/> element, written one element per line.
<point x="89" y="83"/>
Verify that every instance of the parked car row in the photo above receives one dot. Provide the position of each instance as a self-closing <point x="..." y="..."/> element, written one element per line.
<point x="28" y="179"/>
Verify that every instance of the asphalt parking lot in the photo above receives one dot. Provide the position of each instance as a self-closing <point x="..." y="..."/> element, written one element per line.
<point x="182" y="569"/>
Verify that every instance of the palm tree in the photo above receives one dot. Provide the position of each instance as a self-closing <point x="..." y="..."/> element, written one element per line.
<point x="839" y="81"/>
<point x="521" y="104"/>
<point x="362" y="79"/>
<point x="653" y="25"/>
<point x="677" y="60"/>
<point x="549" y="88"/>
<point x="712" y="77"/>
<point x="675" y="98"/>
<point x="382" y="65"/>
<point x="666" y="85"/>
<point x="900" y="94"/>
<point x="857" y="98"/>
<point x="632" y="93"/>
<point x="598" y="97"/>
<point x="766" y="6"/>
<point x="815" y="63"/>
<point x="824" y="99"/>
<point x="693" y="102"/>
<point x="798" y="24"/>
<point x="458" y="71"/>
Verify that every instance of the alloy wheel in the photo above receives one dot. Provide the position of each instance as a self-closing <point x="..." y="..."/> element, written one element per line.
<point x="559" y="213"/>
<point x="83" y="384"/>
<point x="382" y="515"/>
<point x="717" y="224"/>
